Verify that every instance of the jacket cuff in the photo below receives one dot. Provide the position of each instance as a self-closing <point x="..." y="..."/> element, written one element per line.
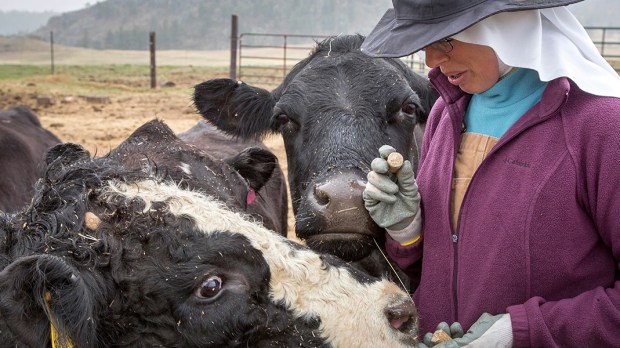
<point x="520" y="326"/>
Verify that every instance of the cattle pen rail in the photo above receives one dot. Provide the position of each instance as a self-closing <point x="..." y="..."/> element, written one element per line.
<point x="266" y="58"/>
<point x="607" y="41"/>
<point x="261" y="47"/>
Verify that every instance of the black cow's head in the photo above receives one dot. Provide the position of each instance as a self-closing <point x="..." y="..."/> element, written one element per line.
<point x="112" y="252"/>
<point x="155" y="147"/>
<point x="269" y="203"/>
<point x="334" y="110"/>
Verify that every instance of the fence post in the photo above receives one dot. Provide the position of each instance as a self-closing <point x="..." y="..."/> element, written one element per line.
<point x="52" y="49"/>
<point x="152" y="49"/>
<point x="233" y="48"/>
<point x="284" y="60"/>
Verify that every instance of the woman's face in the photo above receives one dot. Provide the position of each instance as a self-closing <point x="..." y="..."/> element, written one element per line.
<point x="474" y="68"/>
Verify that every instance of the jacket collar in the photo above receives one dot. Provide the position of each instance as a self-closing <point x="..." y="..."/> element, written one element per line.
<point x="553" y="97"/>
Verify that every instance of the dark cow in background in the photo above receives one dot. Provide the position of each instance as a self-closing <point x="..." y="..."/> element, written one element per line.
<point x="229" y="172"/>
<point x="268" y="203"/>
<point x="334" y="110"/>
<point x="23" y="144"/>
<point x="126" y="251"/>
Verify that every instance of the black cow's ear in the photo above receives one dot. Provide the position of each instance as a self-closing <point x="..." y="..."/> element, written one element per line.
<point x="235" y="107"/>
<point x="61" y="156"/>
<point x="66" y="153"/>
<point x="254" y="164"/>
<point x="428" y="97"/>
<point x="37" y="289"/>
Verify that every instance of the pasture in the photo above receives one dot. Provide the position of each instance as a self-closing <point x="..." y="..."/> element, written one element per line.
<point x="98" y="106"/>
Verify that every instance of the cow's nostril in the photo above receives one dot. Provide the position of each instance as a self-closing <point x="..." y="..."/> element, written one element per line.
<point x="402" y="317"/>
<point x="321" y="195"/>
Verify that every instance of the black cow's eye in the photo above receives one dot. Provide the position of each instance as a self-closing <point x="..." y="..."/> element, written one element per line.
<point x="281" y="120"/>
<point x="409" y="107"/>
<point x="210" y="287"/>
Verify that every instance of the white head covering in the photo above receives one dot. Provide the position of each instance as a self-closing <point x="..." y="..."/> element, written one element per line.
<point x="550" y="41"/>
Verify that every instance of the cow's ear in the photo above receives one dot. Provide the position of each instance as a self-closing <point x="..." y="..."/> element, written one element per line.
<point x="61" y="156"/>
<point x="66" y="154"/>
<point x="428" y="95"/>
<point x="38" y="288"/>
<point x="254" y="164"/>
<point x="235" y="107"/>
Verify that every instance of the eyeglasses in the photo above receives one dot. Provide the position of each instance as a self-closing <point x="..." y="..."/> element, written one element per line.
<point x="443" y="45"/>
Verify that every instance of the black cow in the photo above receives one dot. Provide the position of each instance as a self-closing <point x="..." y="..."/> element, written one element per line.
<point x="23" y="143"/>
<point x="269" y="203"/>
<point x="334" y="110"/>
<point x="125" y="251"/>
<point x="223" y="170"/>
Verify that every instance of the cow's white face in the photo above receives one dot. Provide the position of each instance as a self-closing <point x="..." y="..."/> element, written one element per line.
<point x="354" y="312"/>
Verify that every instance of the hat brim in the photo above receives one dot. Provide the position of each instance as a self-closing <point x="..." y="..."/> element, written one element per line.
<point x="398" y="38"/>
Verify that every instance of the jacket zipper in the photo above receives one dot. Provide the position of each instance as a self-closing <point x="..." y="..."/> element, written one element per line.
<point x="455" y="234"/>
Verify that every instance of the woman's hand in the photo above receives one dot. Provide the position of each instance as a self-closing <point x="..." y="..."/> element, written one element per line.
<point x="392" y="200"/>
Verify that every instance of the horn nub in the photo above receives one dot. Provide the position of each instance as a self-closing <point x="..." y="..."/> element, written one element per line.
<point x="91" y="221"/>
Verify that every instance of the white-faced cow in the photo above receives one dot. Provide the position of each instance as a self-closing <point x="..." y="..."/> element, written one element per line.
<point x="334" y="110"/>
<point x="23" y="143"/>
<point x="117" y="251"/>
<point x="268" y="203"/>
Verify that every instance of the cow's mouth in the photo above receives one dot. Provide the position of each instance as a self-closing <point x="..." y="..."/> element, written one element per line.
<point x="404" y="318"/>
<point x="345" y="245"/>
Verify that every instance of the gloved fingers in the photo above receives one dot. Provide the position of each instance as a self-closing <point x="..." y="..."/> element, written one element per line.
<point x="379" y="165"/>
<point x="427" y="339"/>
<point x="386" y="150"/>
<point x="483" y="323"/>
<point x="382" y="183"/>
<point x="421" y="345"/>
<point x="448" y="344"/>
<point x="445" y="327"/>
<point x="372" y="196"/>
<point x="456" y="330"/>
<point x="405" y="174"/>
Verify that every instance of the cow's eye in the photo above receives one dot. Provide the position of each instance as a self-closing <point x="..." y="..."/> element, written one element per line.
<point x="409" y="107"/>
<point x="210" y="287"/>
<point x="281" y="119"/>
<point x="283" y="123"/>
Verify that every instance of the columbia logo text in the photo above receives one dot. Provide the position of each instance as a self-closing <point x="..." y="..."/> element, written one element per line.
<point x="516" y="162"/>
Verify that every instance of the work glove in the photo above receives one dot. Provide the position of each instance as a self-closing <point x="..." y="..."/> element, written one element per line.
<point x="392" y="200"/>
<point x="488" y="331"/>
<point x="453" y="331"/>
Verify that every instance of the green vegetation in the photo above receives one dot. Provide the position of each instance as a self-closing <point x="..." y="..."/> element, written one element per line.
<point x="101" y="79"/>
<point x="22" y="71"/>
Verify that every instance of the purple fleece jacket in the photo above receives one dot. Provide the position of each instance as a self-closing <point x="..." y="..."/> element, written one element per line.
<point x="539" y="228"/>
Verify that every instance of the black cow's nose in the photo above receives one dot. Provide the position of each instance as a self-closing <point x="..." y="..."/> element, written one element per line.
<point x="403" y="317"/>
<point x="339" y="201"/>
<point x="340" y="191"/>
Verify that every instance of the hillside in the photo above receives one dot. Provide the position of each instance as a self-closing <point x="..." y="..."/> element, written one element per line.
<point x="22" y="22"/>
<point x="205" y="24"/>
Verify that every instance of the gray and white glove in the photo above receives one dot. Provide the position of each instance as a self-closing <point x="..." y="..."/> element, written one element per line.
<point x="488" y="331"/>
<point x="392" y="200"/>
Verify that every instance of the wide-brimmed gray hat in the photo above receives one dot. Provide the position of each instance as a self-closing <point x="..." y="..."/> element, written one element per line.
<point x="414" y="24"/>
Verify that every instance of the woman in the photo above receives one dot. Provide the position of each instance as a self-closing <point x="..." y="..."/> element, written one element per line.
<point x="517" y="219"/>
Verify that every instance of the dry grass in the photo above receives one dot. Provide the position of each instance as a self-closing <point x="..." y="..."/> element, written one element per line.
<point x="101" y="126"/>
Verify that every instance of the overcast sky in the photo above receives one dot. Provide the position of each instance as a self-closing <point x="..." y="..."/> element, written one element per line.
<point x="44" y="5"/>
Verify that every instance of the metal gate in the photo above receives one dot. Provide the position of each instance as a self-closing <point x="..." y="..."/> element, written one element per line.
<point x="607" y="40"/>
<point x="265" y="59"/>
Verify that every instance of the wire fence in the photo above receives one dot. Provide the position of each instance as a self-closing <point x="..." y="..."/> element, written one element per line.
<point x="260" y="58"/>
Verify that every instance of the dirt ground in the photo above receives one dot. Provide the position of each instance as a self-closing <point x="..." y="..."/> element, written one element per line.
<point x="101" y="123"/>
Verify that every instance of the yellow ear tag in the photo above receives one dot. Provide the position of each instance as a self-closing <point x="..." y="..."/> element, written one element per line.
<point x="53" y="332"/>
